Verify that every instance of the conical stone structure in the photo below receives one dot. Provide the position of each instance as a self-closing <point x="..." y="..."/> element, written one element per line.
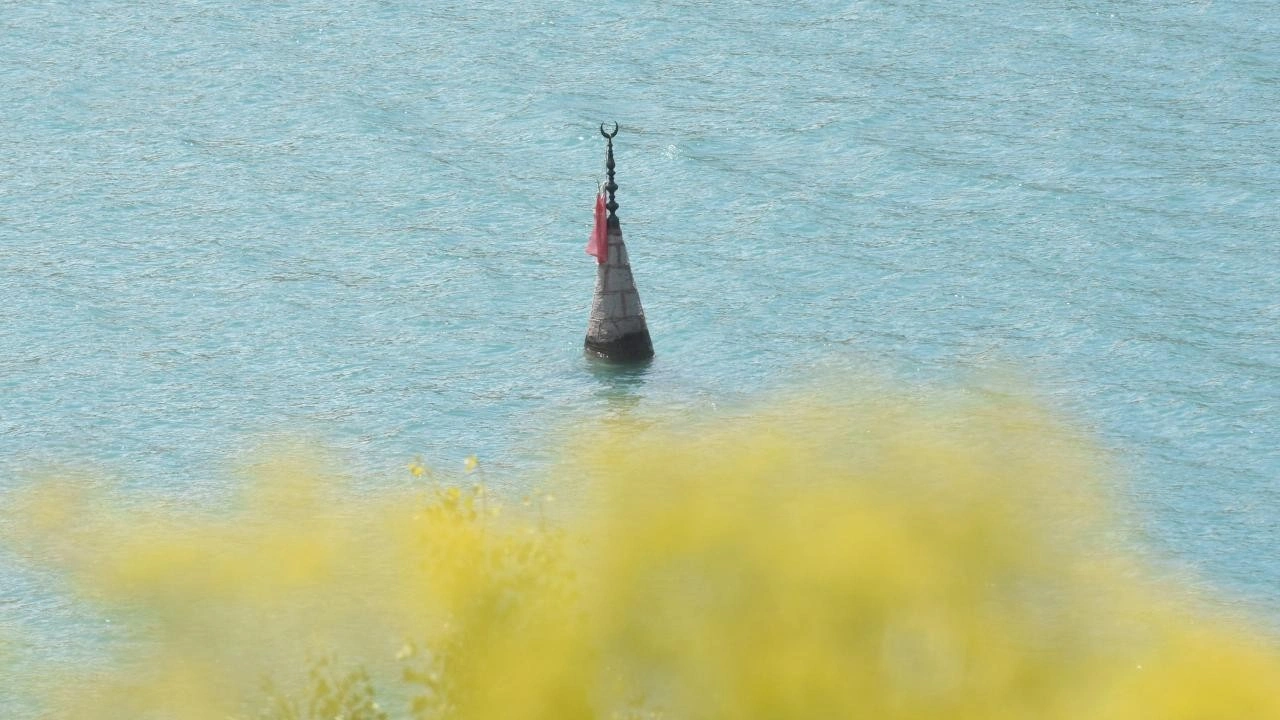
<point x="616" y="329"/>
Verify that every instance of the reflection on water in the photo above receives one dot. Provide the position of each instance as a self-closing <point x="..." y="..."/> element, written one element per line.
<point x="620" y="383"/>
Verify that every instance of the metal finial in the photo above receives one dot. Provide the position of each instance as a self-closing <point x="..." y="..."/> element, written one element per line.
<point x="610" y="186"/>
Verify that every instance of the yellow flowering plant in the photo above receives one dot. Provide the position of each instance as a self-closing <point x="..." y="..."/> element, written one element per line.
<point x="881" y="558"/>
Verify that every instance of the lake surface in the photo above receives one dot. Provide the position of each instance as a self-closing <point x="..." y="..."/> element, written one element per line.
<point x="364" y="222"/>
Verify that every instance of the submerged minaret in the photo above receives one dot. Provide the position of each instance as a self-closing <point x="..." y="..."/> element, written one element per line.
<point x="616" y="329"/>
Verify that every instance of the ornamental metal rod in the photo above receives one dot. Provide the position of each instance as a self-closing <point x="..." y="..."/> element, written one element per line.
<point x="611" y="186"/>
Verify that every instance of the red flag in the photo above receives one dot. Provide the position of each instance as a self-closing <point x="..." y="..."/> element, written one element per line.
<point x="598" y="245"/>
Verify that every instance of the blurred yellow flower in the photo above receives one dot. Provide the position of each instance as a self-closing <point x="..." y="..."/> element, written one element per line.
<point x="890" y="561"/>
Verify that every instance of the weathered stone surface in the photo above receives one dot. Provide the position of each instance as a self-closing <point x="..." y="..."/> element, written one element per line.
<point x="616" y="328"/>
<point x="636" y="346"/>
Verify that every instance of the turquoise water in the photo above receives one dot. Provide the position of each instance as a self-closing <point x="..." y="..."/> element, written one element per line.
<point x="364" y="222"/>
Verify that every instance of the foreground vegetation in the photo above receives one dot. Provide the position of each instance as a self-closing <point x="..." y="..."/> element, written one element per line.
<point x="876" y="558"/>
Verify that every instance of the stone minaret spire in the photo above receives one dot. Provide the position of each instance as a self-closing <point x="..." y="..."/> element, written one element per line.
<point x="616" y="329"/>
